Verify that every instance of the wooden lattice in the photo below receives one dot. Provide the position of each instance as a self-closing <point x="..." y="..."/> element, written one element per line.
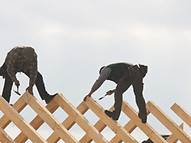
<point x="76" y="116"/>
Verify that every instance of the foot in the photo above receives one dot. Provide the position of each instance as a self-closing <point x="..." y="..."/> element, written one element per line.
<point x="50" y="98"/>
<point x="111" y="115"/>
<point x="143" y="118"/>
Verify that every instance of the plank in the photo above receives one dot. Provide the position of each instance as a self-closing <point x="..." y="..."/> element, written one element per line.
<point x="48" y="118"/>
<point x="173" y="138"/>
<point x="4" y="137"/>
<point x="146" y="128"/>
<point x="36" y="122"/>
<point x="100" y="125"/>
<point x="182" y="113"/>
<point x="68" y="123"/>
<point x="79" y="119"/>
<point x="19" y="105"/>
<point x="113" y="125"/>
<point x="19" y="121"/>
<point x="168" y="123"/>
<point x="129" y="127"/>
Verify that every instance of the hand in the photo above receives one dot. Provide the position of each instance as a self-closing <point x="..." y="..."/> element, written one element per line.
<point x="110" y="92"/>
<point x="17" y="83"/>
<point x="30" y="89"/>
<point x="87" y="96"/>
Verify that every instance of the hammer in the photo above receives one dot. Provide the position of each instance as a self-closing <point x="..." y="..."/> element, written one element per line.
<point x="17" y="92"/>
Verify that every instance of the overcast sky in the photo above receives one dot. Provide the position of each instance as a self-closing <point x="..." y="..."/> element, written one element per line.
<point x="73" y="39"/>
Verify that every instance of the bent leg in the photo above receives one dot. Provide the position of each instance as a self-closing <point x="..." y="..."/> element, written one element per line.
<point x="122" y="86"/>
<point x="140" y="101"/>
<point x="7" y="88"/>
<point x="41" y="87"/>
<point x="6" y="94"/>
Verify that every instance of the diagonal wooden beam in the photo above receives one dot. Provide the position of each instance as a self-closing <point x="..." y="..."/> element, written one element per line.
<point x="4" y="137"/>
<point x="19" y="105"/>
<point x="168" y="123"/>
<point x="113" y="125"/>
<point x="182" y="113"/>
<point x="130" y="127"/>
<point x="100" y="125"/>
<point x="48" y="118"/>
<point x="146" y="128"/>
<point x="68" y="123"/>
<point x="36" y="122"/>
<point x="173" y="138"/>
<point x="79" y="119"/>
<point x="19" y="121"/>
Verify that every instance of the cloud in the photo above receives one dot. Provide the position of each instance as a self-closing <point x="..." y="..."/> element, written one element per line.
<point x="74" y="38"/>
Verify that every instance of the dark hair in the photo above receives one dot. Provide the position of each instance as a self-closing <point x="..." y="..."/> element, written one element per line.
<point x="101" y="69"/>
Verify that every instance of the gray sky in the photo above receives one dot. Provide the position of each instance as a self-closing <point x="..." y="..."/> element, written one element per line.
<point x="73" y="39"/>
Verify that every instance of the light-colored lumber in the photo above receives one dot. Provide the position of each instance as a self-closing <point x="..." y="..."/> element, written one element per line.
<point x="146" y="128"/>
<point x="49" y="118"/>
<point x="68" y="123"/>
<point x="36" y="122"/>
<point x="100" y="125"/>
<point x="4" y="137"/>
<point x="113" y="125"/>
<point x="173" y="138"/>
<point x="182" y="113"/>
<point x="19" y="121"/>
<point x="79" y="119"/>
<point x="168" y="123"/>
<point x="19" y="105"/>
<point x="75" y="116"/>
<point x="130" y="127"/>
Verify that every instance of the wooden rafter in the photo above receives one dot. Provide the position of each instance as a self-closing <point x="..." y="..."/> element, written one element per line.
<point x="76" y="116"/>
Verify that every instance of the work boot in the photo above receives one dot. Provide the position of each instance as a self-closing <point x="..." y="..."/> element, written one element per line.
<point x="50" y="98"/>
<point x="111" y="115"/>
<point x="143" y="118"/>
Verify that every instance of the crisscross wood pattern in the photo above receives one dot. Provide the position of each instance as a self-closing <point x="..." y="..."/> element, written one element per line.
<point x="61" y="131"/>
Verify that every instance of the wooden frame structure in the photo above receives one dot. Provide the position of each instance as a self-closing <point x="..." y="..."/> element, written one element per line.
<point x="76" y="116"/>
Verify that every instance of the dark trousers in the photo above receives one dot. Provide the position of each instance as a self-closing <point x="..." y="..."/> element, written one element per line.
<point x="134" y="78"/>
<point x="9" y="83"/>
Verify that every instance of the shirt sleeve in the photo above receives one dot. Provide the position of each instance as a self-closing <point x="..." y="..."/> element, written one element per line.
<point x="10" y="61"/>
<point x="103" y="76"/>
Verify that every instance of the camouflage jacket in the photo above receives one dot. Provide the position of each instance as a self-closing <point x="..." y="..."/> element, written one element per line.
<point x="15" y="62"/>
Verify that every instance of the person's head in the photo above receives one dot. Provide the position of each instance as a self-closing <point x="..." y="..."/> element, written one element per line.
<point x="143" y="69"/>
<point x="101" y="69"/>
<point x="28" y="53"/>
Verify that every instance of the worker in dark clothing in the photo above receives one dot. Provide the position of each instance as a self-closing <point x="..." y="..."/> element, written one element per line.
<point x="23" y="59"/>
<point x="124" y="75"/>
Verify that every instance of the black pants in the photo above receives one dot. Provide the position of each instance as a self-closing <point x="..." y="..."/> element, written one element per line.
<point x="134" y="78"/>
<point x="9" y="83"/>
